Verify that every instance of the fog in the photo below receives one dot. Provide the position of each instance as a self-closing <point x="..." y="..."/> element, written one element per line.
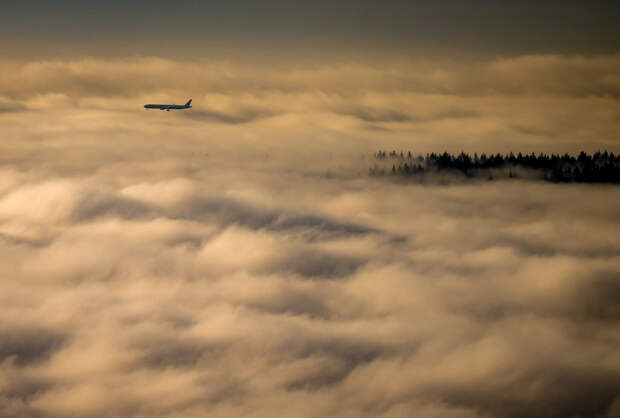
<point x="237" y="259"/>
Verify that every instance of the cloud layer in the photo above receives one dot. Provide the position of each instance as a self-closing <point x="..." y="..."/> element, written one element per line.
<point x="236" y="260"/>
<point x="536" y="103"/>
<point x="329" y="296"/>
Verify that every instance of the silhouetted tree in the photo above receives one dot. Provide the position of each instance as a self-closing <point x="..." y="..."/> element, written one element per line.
<point x="601" y="167"/>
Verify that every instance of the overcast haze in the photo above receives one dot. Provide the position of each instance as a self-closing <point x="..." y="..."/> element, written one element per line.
<point x="237" y="260"/>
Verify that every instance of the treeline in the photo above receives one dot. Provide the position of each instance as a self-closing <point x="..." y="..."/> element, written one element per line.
<point x="600" y="167"/>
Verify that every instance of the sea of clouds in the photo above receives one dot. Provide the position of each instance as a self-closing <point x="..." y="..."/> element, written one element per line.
<point x="240" y="262"/>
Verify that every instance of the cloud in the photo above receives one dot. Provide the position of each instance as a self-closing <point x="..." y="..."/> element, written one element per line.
<point x="559" y="103"/>
<point x="242" y="116"/>
<point x="11" y="107"/>
<point x="576" y="76"/>
<point x="23" y="346"/>
<point x="192" y="301"/>
<point x="387" y="114"/>
<point x="248" y="266"/>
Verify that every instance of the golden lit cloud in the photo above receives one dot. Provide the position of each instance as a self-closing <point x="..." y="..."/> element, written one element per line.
<point x="236" y="259"/>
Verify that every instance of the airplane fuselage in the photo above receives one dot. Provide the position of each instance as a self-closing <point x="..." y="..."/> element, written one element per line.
<point x="169" y="107"/>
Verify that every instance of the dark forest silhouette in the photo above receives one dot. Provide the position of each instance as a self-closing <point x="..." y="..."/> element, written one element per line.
<point x="600" y="167"/>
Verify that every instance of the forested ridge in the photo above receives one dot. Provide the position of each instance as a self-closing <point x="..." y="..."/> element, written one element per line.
<point x="600" y="167"/>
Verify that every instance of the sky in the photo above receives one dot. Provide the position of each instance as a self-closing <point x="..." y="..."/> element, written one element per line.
<point x="298" y="29"/>
<point x="236" y="259"/>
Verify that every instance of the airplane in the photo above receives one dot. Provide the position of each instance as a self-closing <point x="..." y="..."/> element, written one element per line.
<point x="167" y="107"/>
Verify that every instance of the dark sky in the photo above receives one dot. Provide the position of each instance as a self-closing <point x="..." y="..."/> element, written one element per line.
<point x="347" y="28"/>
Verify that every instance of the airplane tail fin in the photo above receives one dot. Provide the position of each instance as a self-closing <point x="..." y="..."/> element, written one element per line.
<point x="189" y="102"/>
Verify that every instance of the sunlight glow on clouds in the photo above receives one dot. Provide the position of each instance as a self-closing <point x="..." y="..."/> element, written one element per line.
<point x="161" y="298"/>
<point x="544" y="103"/>
<point x="237" y="260"/>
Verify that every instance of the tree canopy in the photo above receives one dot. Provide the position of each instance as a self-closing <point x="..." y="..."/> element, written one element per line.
<point x="600" y="167"/>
